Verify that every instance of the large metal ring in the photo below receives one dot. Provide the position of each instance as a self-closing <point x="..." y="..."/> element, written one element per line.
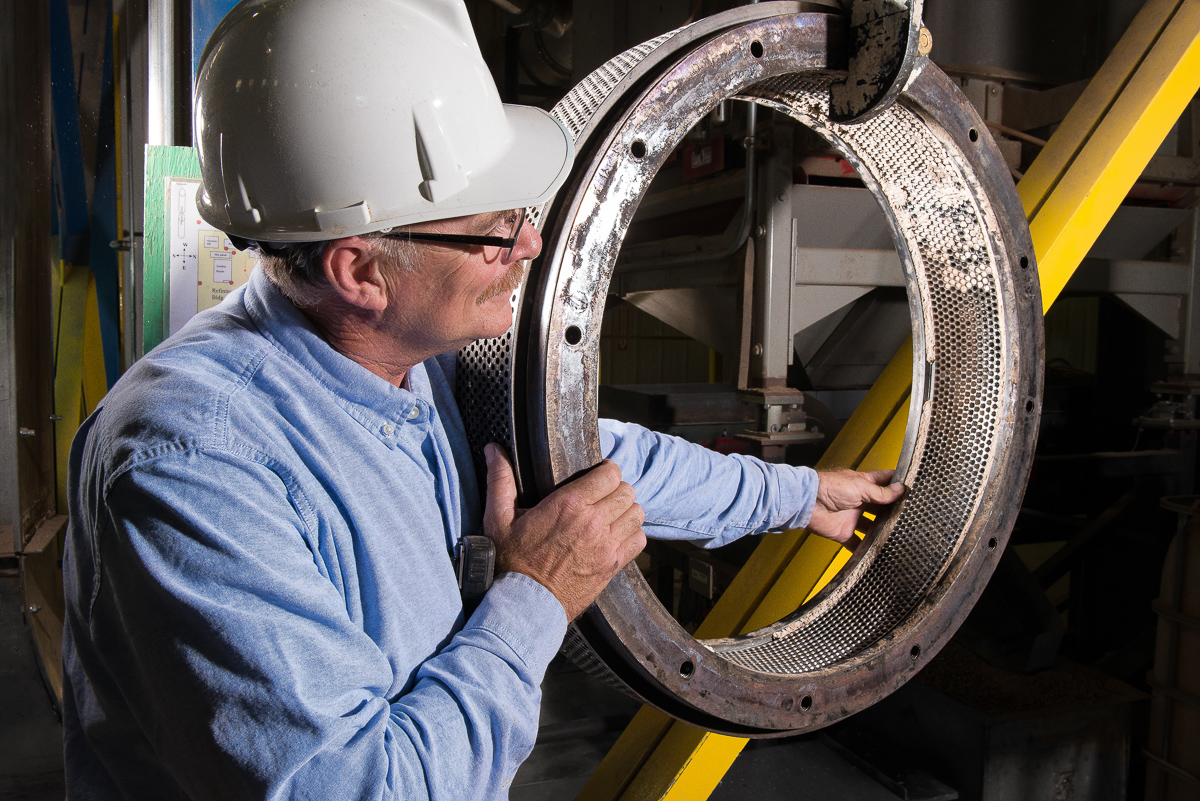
<point x="972" y="419"/>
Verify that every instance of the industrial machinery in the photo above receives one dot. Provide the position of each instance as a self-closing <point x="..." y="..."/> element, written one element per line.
<point x="976" y="313"/>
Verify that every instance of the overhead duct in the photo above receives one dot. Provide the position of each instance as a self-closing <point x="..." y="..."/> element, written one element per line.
<point x="977" y="369"/>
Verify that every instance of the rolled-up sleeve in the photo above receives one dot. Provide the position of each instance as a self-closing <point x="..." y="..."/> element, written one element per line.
<point x="690" y="492"/>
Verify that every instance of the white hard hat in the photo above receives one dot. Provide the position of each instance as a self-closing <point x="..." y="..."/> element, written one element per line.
<point x="317" y="119"/>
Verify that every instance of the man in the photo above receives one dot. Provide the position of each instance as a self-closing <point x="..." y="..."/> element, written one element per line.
<point x="261" y="601"/>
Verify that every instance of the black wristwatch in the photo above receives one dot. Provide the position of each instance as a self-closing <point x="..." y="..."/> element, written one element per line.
<point x="475" y="559"/>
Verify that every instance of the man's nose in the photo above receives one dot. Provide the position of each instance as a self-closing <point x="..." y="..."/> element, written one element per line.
<point x="529" y="243"/>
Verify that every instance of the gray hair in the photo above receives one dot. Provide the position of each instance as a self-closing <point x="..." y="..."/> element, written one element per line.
<point x="297" y="269"/>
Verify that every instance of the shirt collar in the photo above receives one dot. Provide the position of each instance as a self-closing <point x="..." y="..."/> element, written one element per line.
<point x="377" y="404"/>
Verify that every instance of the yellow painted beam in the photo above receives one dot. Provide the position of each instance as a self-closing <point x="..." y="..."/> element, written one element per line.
<point x="95" y="381"/>
<point x="1069" y="194"/>
<point x="68" y="367"/>
<point x="1101" y="93"/>
<point x="762" y="571"/>
<point x="1101" y="171"/>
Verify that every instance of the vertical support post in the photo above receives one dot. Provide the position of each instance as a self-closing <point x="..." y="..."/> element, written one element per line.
<point x="26" y="369"/>
<point x="160" y="38"/>
<point x="1191" y="331"/>
<point x="169" y="77"/>
<point x="772" y="340"/>
<point x="10" y="517"/>
<point x="135" y="118"/>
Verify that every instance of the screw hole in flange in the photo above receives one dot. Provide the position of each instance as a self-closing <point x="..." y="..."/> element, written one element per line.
<point x="573" y="335"/>
<point x="806" y="703"/>
<point x="992" y="543"/>
<point x="915" y="652"/>
<point x="638" y="149"/>
<point x="756" y="49"/>
<point x="1029" y="405"/>
<point x="1024" y="262"/>
<point x="687" y="669"/>
<point x="973" y="135"/>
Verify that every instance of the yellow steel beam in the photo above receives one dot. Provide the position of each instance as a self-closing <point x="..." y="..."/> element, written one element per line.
<point x="1073" y="188"/>
<point x="68" y="367"/>
<point x="1069" y="194"/>
<point x="95" y="381"/>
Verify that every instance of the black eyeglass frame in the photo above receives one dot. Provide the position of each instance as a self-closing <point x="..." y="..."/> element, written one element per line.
<point x="464" y="239"/>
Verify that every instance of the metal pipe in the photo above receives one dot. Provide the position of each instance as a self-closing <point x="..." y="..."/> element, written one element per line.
<point x="160" y="36"/>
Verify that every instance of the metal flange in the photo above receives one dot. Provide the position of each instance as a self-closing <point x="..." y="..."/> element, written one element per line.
<point x="976" y="314"/>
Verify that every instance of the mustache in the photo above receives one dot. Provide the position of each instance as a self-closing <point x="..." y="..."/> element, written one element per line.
<point x="505" y="284"/>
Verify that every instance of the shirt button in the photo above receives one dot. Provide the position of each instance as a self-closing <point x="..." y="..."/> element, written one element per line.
<point x="414" y="412"/>
<point x="389" y="429"/>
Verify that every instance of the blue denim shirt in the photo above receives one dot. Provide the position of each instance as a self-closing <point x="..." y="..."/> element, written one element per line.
<point x="260" y="596"/>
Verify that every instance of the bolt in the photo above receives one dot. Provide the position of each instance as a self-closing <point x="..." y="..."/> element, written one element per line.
<point x="774" y="428"/>
<point x="34" y="609"/>
<point x="924" y="42"/>
<point x="758" y="349"/>
<point x="761" y="231"/>
<point x="781" y="197"/>
<point x="55" y="417"/>
<point x="26" y="432"/>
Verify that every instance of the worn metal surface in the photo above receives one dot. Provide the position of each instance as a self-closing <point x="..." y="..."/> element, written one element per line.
<point x="491" y="386"/>
<point x="973" y="295"/>
<point x="886" y="39"/>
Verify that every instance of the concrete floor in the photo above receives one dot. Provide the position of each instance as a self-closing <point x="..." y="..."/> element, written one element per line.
<point x="30" y="732"/>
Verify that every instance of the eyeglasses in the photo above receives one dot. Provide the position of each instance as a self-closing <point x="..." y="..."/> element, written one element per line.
<point x="512" y="223"/>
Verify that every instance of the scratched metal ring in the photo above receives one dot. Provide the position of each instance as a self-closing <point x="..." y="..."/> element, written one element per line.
<point x="977" y="370"/>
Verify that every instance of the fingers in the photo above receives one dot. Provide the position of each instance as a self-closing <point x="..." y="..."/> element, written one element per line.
<point x="501" y="505"/>
<point x="629" y="526"/>
<point x="597" y="483"/>
<point x="874" y="493"/>
<point x="617" y="503"/>
<point x="879" y="477"/>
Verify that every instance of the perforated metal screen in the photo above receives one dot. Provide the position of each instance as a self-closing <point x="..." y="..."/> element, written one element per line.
<point x="977" y="370"/>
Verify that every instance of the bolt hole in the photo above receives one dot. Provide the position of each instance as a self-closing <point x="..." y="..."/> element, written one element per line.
<point x="638" y="149"/>
<point x="992" y="544"/>
<point x="687" y="669"/>
<point x="915" y="652"/>
<point x="806" y="703"/>
<point x="1024" y="262"/>
<point x="1029" y="405"/>
<point x="973" y="134"/>
<point x="572" y="335"/>
<point x="756" y="49"/>
<point x="787" y="704"/>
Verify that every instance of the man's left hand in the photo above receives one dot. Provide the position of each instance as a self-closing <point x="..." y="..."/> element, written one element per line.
<point x="841" y="496"/>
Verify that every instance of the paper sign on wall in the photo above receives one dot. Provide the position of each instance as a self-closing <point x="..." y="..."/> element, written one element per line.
<point x="205" y="267"/>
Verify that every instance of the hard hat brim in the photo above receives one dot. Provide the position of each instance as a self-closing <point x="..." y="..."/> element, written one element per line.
<point x="533" y="167"/>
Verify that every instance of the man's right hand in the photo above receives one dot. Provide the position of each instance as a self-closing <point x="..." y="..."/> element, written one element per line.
<point x="574" y="541"/>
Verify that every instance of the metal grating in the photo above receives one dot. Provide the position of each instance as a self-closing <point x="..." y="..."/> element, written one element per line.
<point x="484" y="369"/>
<point x="947" y="235"/>
<point x="973" y="341"/>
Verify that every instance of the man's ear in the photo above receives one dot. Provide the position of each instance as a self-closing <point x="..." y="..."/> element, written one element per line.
<point x="353" y="272"/>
